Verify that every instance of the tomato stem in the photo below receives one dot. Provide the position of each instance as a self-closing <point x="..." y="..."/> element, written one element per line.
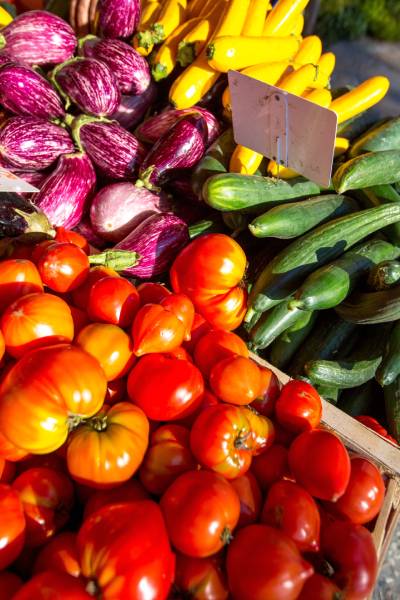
<point x="240" y="441"/>
<point x="99" y="423"/>
<point x="73" y="422"/>
<point x="92" y="588"/>
<point x="226" y="535"/>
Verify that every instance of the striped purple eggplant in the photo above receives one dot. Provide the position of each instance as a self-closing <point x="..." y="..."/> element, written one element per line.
<point x="19" y="216"/>
<point x="129" y="67"/>
<point x="64" y="195"/>
<point x="118" y="208"/>
<point x="181" y="147"/>
<point x="132" y="109"/>
<point x="24" y="92"/>
<point x="153" y="128"/>
<point x="31" y="143"/>
<point x="157" y="240"/>
<point x="90" y="84"/>
<point x="118" y="18"/>
<point x="95" y="241"/>
<point x="115" y="152"/>
<point x="5" y="57"/>
<point x="38" y="37"/>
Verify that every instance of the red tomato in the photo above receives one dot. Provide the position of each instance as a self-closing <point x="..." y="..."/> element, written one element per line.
<point x="373" y="424"/>
<point x="51" y="387"/>
<point x="47" y="497"/>
<point x="79" y="318"/>
<point x="10" y="452"/>
<point x="116" y="391"/>
<point x="199" y="328"/>
<point x="201" y="509"/>
<point x="156" y="329"/>
<point x="250" y="498"/>
<point x="80" y="296"/>
<point x="225" y="311"/>
<point x="113" y="300"/>
<point x="321" y="464"/>
<point x="221" y="439"/>
<point x="319" y="587"/>
<point x="113" y="443"/>
<point x="270" y="466"/>
<point x="63" y="266"/>
<point x="263" y="430"/>
<point x="364" y="494"/>
<point x="263" y="563"/>
<point x="130" y="491"/>
<point x="7" y="471"/>
<point x="36" y="320"/>
<point x="51" y="461"/>
<point x="59" y="554"/>
<point x="180" y="353"/>
<point x="207" y="399"/>
<point x="270" y="390"/>
<point x="18" y="277"/>
<point x="138" y="550"/>
<point x="182" y="307"/>
<point x="72" y="237"/>
<point x="215" y="346"/>
<point x="12" y="525"/>
<point x="290" y="508"/>
<point x="9" y="585"/>
<point x="165" y="388"/>
<point x="168" y="456"/>
<point x="55" y="585"/>
<point x="2" y="346"/>
<point x="236" y="380"/>
<point x="152" y="293"/>
<point x="299" y="406"/>
<point x="200" y="578"/>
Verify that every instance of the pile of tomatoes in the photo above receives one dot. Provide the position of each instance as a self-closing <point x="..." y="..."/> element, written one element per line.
<point x="144" y="455"/>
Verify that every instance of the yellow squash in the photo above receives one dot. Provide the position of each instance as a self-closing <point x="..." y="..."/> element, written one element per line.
<point x="244" y="161"/>
<point x="283" y="13"/>
<point x="195" y="40"/>
<point x="341" y="146"/>
<point x="166" y="57"/>
<point x="310" y="51"/>
<point x="172" y="14"/>
<point x="5" y="17"/>
<point x="195" y="7"/>
<point x="326" y="65"/>
<point x="322" y="97"/>
<point x="299" y="80"/>
<point x="275" y="170"/>
<point x="255" y="19"/>
<point x="143" y="40"/>
<point x="360" y="98"/>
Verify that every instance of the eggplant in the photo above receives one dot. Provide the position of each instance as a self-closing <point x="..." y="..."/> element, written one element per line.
<point x="89" y="84"/>
<point x="118" y="18"/>
<point x="114" y="151"/>
<point x="5" y="57"/>
<point x="19" y="216"/>
<point x="129" y="67"/>
<point x="64" y="194"/>
<point x="23" y="91"/>
<point x="157" y="240"/>
<point x="95" y="241"/>
<point x="118" y="208"/>
<point x="31" y="143"/>
<point x="38" y="37"/>
<point x="181" y="147"/>
<point x="132" y="109"/>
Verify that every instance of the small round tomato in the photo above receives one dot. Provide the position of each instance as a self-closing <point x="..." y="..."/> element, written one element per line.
<point x="36" y="320"/>
<point x="320" y="463"/>
<point x="270" y="466"/>
<point x="236" y="380"/>
<point x="47" y="497"/>
<point x="225" y="311"/>
<point x="72" y="237"/>
<point x="113" y="443"/>
<point x="168" y="456"/>
<point x="12" y="525"/>
<point x="250" y="498"/>
<point x="192" y="529"/>
<point x="18" y="277"/>
<point x="53" y="584"/>
<point x="319" y="587"/>
<point x="79" y="318"/>
<point x="199" y="328"/>
<point x="263" y="431"/>
<point x="165" y="388"/>
<point x="263" y="562"/>
<point x="80" y="296"/>
<point x="156" y="329"/>
<point x="291" y="508"/>
<point x="299" y="406"/>
<point x="110" y="345"/>
<point x="130" y="491"/>
<point x="59" y="554"/>
<point x="200" y="578"/>
<point x="152" y="293"/>
<point x="270" y="390"/>
<point x="182" y="307"/>
<point x="9" y="585"/>
<point x="215" y="346"/>
<point x="63" y="266"/>
<point x="113" y="300"/>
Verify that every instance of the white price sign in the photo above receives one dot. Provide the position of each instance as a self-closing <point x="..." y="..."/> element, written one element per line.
<point x="11" y="183"/>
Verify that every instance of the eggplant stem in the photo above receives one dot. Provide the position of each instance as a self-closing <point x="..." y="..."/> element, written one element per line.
<point x="159" y="71"/>
<point x="119" y="260"/>
<point x="2" y="41"/>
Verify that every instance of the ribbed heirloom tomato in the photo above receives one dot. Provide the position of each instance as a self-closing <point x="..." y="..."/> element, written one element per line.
<point x="182" y="308"/>
<point x="12" y="525"/>
<point x="217" y="345"/>
<point x="18" y="277"/>
<point x="156" y="329"/>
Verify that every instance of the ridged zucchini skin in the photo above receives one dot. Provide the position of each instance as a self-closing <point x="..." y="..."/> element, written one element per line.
<point x="368" y="198"/>
<point x="329" y="393"/>
<point x="343" y="374"/>
<point x="389" y="369"/>
<point x="384" y="137"/>
<point x="373" y="168"/>
<point x="384" y="275"/>
<point x="392" y="408"/>
<point x="272" y="324"/>
<point x="290" y="267"/>
<point x="215" y="160"/>
<point x="367" y="308"/>
<point x="286" y="345"/>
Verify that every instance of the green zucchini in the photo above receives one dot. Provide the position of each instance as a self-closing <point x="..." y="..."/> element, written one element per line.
<point x="373" y="168"/>
<point x="272" y="324"/>
<point x="215" y="160"/>
<point x="289" y="268"/>
<point x="385" y="192"/>
<point x="285" y="346"/>
<point x="203" y="227"/>
<point x="384" y="137"/>
<point x="392" y="408"/>
<point x="292" y="220"/>
<point x="389" y="369"/>
<point x="369" y="198"/>
<point x="367" y="308"/>
<point x="250" y="193"/>
<point x="329" y="393"/>
<point x="384" y="275"/>
<point x="329" y="285"/>
<point x="360" y="400"/>
<point x="235" y="221"/>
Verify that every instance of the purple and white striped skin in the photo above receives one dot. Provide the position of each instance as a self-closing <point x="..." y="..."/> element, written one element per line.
<point x="90" y="85"/>
<point x="5" y="57"/>
<point x="24" y="92"/>
<point x="157" y="240"/>
<point x="85" y="228"/>
<point x="38" y="37"/>
<point x="116" y="153"/>
<point x="120" y="207"/>
<point x="132" y="109"/>
<point x="129" y="67"/>
<point x="64" y="195"/>
<point x="31" y="143"/>
<point x="118" y="18"/>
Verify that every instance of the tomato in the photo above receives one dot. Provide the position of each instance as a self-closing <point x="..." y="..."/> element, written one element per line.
<point x="263" y="431"/>
<point x="373" y="424"/>
<point x="9" y="585"/>
<point x="291" y="508"/>
<point x="201" y="509"/>
<point x="156" y="329"/>
<point x="51" y="387"/>
<point x="125" y="552"/>
<point x="113" y="300"/>
<point x="263" y="563"/>
<point x="63" y="266"/>
<point x="250" y="498"/>
<point x="165" y="388"/>
<point x="270" y="390"/>
<point x="364" y="495"/>
<point x="59" y="554"/>
<point x="47" y="497"/>
<point x="270" y="466"/>
<point x="200" y="578"/>
<point x="10" y="452"/>
<point x="152" y="293"/>
<point x="130" y="491"/>
<point x="221" y="439"/>
<point x="236" y="380"/>
<point x="215" y="346"/>
<point x="18" y="277"/>
<point x="180" y="353"/>
<point x="12" y="525"/>
<point x="7" y="471"/>
<point x="55" y="585"/>
<point x="225" y="311"/>
<point x="350" y="549"/>
<point x="199" y="328"/>
<point x="168" y="456"/>
<point x="36" y="320"/>
<point x="299" y="406"/>
<point x="116" y="391"/>
<point x="79" y="318"/>
<point x="51" y="461"/>
<point x="182" y="308"/>
<point x="66" y="235"/>
<point x="319" y="587"/>
<point x="2" y="346"/>
<point x="80" y="295"/>
<point x="321" y="464"/>
<point x="113" y="444"/>
<point x="207" y="399"/>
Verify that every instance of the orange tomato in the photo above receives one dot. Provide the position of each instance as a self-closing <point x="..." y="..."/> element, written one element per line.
<point x="182" y="307"/>
<point x="80" y="296"/>
<point x="113" y="300"/>
<point x="152" y="293"/>
<point x="156" y="329"/>
<point x="217" y="345"/>
<point x="18" y="277"/>
<point x="7" y="470"/>
<point x="12" y="525"/>
<point x="226" y="311"/>
<point x="63" y="266"/>
<point x="263" y="430"/>
<point x="236" y="380"/>
<point x="10" y="452"/>
<point x="66" y="235"/>
<point x="199" y="328"/>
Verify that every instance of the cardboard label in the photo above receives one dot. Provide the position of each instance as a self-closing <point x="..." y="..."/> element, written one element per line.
<point x="11" y="183"/>
<point x="293" y="131"/>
